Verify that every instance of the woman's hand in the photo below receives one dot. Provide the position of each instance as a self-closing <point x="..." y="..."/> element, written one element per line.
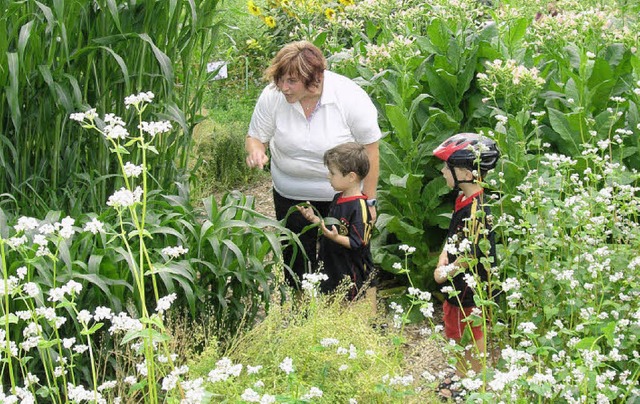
<point x="256" y="153"/>
<point x="374" y="213"/>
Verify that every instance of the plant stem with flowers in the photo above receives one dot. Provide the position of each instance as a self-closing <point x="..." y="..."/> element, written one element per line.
<point x="128" y="199"/>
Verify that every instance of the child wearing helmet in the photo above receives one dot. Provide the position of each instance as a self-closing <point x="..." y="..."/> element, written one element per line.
<point x="467" y="157"/>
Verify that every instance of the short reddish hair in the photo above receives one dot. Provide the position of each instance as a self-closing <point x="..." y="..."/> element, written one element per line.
<point x="300" y="59"/>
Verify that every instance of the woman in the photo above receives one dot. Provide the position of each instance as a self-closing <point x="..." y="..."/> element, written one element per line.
<point x="305" y="111"/>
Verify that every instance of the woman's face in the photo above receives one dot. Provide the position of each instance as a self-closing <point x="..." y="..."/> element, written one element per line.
<point x="292" y="87"/>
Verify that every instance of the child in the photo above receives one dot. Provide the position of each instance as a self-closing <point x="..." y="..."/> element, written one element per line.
<point x="467" y="158"/>
<point x="344" y="248"/>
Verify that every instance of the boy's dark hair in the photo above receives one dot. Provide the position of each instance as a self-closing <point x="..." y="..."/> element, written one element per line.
<point x="348" y="157"/>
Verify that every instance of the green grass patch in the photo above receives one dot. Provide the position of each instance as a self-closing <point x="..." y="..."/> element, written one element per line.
<point x="322" y="343"/>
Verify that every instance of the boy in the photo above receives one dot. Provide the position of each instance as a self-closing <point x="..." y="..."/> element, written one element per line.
<point x="467" y="158"/>
<point x="344" y="248"/>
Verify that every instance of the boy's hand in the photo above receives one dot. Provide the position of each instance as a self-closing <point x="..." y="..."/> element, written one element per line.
<point x="330" y="234"/>
<point x="307" y="212"/>
<point x="443" y="259"/>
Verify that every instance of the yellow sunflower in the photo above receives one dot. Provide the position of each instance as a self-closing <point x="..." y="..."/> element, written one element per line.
<point x="253" y="9"/>
<point x="270" y="21"/>
<point x="330" y="14"/>
<point x="347" y="2"/>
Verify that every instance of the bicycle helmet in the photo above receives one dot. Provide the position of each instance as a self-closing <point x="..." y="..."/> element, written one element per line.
<point x="470" y="151"/>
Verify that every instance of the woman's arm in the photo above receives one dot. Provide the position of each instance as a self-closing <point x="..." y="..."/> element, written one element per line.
<point x="370" y="182"/>
<point x="256" y="152"/>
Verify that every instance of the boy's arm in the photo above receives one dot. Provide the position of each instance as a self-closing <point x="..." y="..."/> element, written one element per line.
<point x="333" y="235"/>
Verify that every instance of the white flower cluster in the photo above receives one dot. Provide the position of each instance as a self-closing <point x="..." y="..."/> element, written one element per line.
<point x="88" y="115"/>
<point x="286" y="365"/>
<point x="397" y="380"/>
<point x="79" y="394"/>
<point x="164" y="303"/>
<point x="310" y="282"/>
<point x="407" y="249"/>
<point x="352" y="351"/>
<point x="95" y="226"/>
<point x="124" y="198"/>
<point x="251" y="396"/>
<point x="71" y="288"/>
<point x="132" y="170"/>
<point x="170" y="381"/>
<point x="327" y="342"/>
<point x="223" y="370"/>
<point x="154" y="128"/>
<point x="174" y="252"/>
<point x="314" y="392"/>
<point x="137" y="99"/>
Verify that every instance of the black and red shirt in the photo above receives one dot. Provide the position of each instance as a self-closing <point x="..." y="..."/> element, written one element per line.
<point x="471" y="221"/>
<point x="355" y="262"/>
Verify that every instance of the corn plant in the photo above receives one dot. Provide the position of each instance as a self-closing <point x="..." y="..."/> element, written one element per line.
<point x="59" y="57"/>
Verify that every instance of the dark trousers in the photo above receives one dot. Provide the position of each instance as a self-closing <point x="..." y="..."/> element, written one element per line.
<point x="309" y="239"/>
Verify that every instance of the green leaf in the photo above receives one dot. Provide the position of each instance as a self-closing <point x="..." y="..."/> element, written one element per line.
<point x="400" y="124"/>
<point x="162" y="59"/>
<point x="570" y="137"/>
<point x="93" y="329"/>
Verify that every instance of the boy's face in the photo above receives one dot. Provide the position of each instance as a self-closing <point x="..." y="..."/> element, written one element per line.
<point x="461" y="174"/>
<point x="338" y="181"/>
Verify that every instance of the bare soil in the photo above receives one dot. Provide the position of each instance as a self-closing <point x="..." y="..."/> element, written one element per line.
<point x="423" y="356"/>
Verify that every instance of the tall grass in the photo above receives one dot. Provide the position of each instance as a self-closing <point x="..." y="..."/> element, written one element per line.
<point x="58" y="57"/>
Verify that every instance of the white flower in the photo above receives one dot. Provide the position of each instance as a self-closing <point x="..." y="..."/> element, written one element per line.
<point x="527" y="327"/>
<point x="15" y="242"/>
<point x="94" y="226"/>
<point x="313" y="393"/>
<point x="287" y="365"/>
<point x="31" y="289"/>
<point x="397" y="266"/>
<point x="591" y="55"/>
<point x="153" y="128"/>
<point x="267" y="399"/>
<point x="122" y="322"/>
<point x="89" y="115"/>
<point x="124" y="198"/>
<point x="26" y="223"/>
<point x="327" y="342"/>
<point x="113" y="119"/>
<point x="174" y="252"/>
<point x="68" y="342"/>
<point x="73" y="287"/>
<point x="115" y="132"/>
<point x="107" y="385"/>
<point x="253" y="369"/>
<point x="164" y="303"/>
<point x="81" y="349"/>
<point x="102" y="313"/>
<point x="136" y="99"/>
<point x="132" y="170"/>
<point x="250" y="395"/>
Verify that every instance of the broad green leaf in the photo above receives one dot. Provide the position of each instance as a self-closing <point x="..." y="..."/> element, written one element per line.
<point x="400" y="124"/>
<point x="570" y="137"/>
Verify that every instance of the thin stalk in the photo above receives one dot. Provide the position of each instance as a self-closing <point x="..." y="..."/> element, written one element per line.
<point x="6" y="309"/>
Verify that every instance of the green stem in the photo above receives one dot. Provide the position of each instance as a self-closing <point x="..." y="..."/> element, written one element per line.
<point x="6" y="309"/>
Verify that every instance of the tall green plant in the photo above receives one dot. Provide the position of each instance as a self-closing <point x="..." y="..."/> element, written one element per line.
<point x="57" y="56"/>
